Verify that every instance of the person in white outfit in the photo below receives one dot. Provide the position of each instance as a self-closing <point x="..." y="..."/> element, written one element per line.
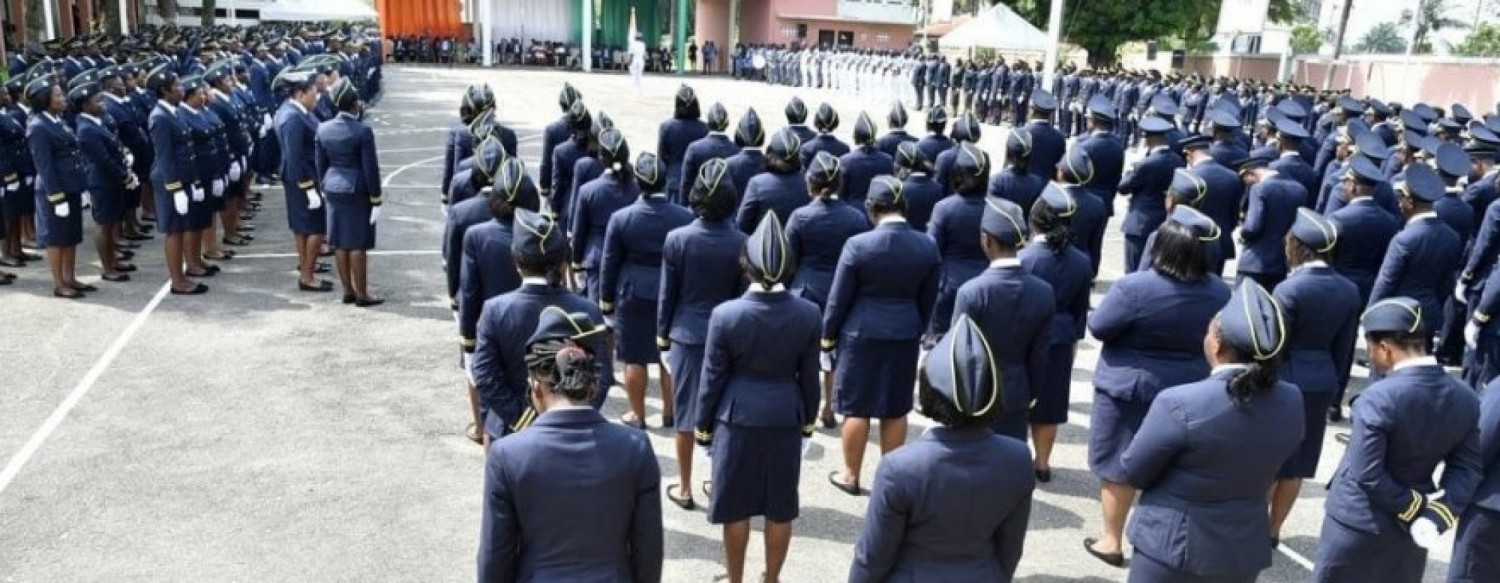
<point x="637" y="61"/>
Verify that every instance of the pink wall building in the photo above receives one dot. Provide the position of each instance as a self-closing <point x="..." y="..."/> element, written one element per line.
<point x="863" y="24"/>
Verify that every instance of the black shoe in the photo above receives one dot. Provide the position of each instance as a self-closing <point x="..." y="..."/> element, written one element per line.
<point x="323" y="286"/>
<point x="1043" y="476"/>
<point x="192" y="291"/>
<point x="1111" y="559"/>
<point x="350" y="298"/>
<point x="368" y="302"/>
<point x="1335" y="414"/>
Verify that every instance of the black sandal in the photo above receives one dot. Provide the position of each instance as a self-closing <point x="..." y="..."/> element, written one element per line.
<point x="685" y="503"/>
<point x="639" y="423"/>
<point x="83" y="287"/>
<point x="67" y="294"/>
<point x="1111" y="559"/>
<point x="368" y="302"/>
<point x="322" y="286"/>
<point x="850" y="489"/>
<point x="193" y="291"/>
<point x="708" y="488"/>
<point x="115" y="277"/>
<point x="472" y="433"/>
<point x="240" y="242"/>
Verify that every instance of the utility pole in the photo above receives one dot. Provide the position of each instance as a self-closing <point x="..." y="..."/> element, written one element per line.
<point x="1338" y="44"/>
<point x="1054" y="39"/>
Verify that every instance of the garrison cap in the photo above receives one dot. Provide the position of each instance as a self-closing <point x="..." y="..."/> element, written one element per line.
<point x="568" y="97"/>
<point x="749" y="132"/>
<point x="1252" y="322"/>
<point x="1004" y="220"/>
<point x="937" y="115"/>
<point x="1187" y="188"/>
<point x="886" y="190"/>
<point x="538" y="238"/>
<point x="1200" y="224"/>
<point x="766" y="250"/>
<point x="971" y="160"/>
<point x="1076" y="166"/>
<point x="650" y="172"/>
<point x="1057" y="198"/>
<point x="785" y="145"/>
<point x="796" y="111"/>
<point x="826" y="120"/>
<point x="908" y="155"/>
<point x="966" y="129"/>
<point x="897" y="117"/>
<point x="1398" y="314"/>
<point x="554" y="323"/>
<point x="864" y="129"/>
<point x="963" y="369"/>
<point x="1315" y="231"/>
<point x="516" y="186"/>
<point x="717" y="118"/>
<point x="1421" y="182"/>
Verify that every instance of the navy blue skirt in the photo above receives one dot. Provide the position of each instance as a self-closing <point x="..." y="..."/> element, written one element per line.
<point x="1304" y="462"/>
<point x="755" y="473"/>
<point x="1144" y="569"/>
<point x="875" y="379"/>
<point x="1476" y="552"/>
<point x="300" y="219"/>
<point x="1052" y="391"/>
<point x="109" y="205"/>
<point x="167" y="219"/>
<point x="1345" y="554"/>
<point x="201" y="213"/>
<point x="349" y="227"/>
<point x="635" y="332"/>
<point x="55" y="231"/>
<point x="20" y="202"/>
<point x="686" y="363"/>
<point x="1112" y="427"/>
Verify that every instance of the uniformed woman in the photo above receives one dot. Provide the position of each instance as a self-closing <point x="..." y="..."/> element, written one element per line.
<point x="699" y="270"/>
<point x="750" y="137"/>
<point x="218" y="172"/>
<point x="676" y="134"/>
<point x="1150" y="323"/>
<point x="892" y="139"/>
<point x="16" y="201"/>
<point x="1207" y="452"/>
<point x="565" y="156"/>
<point x="296" y="128"/>
<point x="1321" y="309"/>
<point x="955" y="228"/>
<point x="206" y="159"/>
<point x="935" y="142"/>
<point x="172" y="175"/>
<point x="596" y="202"/>
<point x="1076" y="171"/>
<point x="953" y="505"/>
<point x="922" y="193"/>
<point x="349" y="171"/>
<point x="781" y="189"/>
<point x="60" y="184"/>
<point x="1476" y="545"/>
<point x="758" y="401"/>
<point x="882" y="298"/>
<point x="816" y="234"/>
<point x="108" y="179"/>
<point x="965" y="131"/>
<point x="1052" y="257"/>
<point x="630" y="280"/>
<point x="580" y="493"/>
<point x="863" y="163"/>
<point x="826" y="121"/>
<point x="1016" y="183"/>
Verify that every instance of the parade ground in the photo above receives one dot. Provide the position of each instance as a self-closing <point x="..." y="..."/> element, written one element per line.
<point x="263" y="434"/>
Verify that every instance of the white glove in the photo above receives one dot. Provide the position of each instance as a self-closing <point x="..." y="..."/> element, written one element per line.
<point x="825" y="361"/>
<point x="1471" y="334"/>
<point x="88" y="200"/>
<point x="234" y="170"/>
<point x="468" y="364"/>
<point x="263" y="130"/>
<point x="180" y="202"/>
<point x="61" y="210"/>
<point x="218" y="186"/>
<point x="609" y="322"/>
<point x="198" y="194"/>
<point x="132" y="182"/>
<point x="1460" y="293"/>
<point x="806" y="446"/>
<point x="129" y="159"/>
<point x="374" y="214"/>
<point x="707" y="451"/>
<point x="1425" y="533"/>
<point x="30" y="180"/>
<point x="265" y="122"/>
<point x="14" y="186"/>
<point x="314" y="199"/>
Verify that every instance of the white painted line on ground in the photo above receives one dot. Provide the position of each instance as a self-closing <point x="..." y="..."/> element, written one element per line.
<point x="399" y="150"/>
<point x="394" y="173"/>
<point x="375" y="253"/>
<point x="1082" y="420"/>
<point x="13" y="467"/>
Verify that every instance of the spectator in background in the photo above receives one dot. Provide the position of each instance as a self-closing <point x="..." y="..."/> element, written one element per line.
<point x="692" y="51"/>
<point x="710" y="56"/>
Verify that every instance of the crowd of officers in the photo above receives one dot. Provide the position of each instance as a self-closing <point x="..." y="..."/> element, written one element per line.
<point x="779" y="280"/>
<point x="171" y="130"/>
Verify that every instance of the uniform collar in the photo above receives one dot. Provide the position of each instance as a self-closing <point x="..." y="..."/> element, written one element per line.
<point x="775" y="289"/>
<point x="50" y="117"/>
<point x="1228" y="367"/>
<point x="1415" y="361"/>
<point x="1005" y="262"/>
<point x="534" y="281"/>
<point x="1422" y="216"/>
<point x="889" y="219"/>
<point x="1314" y="264"/>
<point x="1289" y="154"/>
<point x="298" y="105"/>
<point x="91" y="118"/>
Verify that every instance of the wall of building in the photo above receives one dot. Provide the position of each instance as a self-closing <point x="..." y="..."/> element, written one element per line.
<point x="1435" y="80"/>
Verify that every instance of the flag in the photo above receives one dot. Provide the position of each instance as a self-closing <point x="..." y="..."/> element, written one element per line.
<point x="632" y="23"/>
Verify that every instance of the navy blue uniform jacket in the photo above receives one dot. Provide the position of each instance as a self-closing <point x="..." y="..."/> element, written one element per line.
<point x="1365" y="230"/>
<point x="1271" y="208"/>
<point x="700" y="268"/>
<point x="347" y="162"/>
<point x="1047" y="149"/>
<point x="1152" y="327"/>
<point x="926" y="520"/>
<point x="486" y="270"/>
<point x="1147" y="187"/>
<point x="1421" y="263"/>
<point x="760" y="366"/>
<point x="1107" y="153"/>
<point x="713" y="145"/>
<point x="672" y="141"/>
<point x="815" y="236"/>
<point x="885" y="285"/>
<point x="1015" y="311"/>
<point x="633" y="245"/>
<point x="572" y="498"/>
<point x="1321" y="310"/>
<point x="770" y="192"/>
<point x="1222" y="203"/>
<point x="861" y="166"/>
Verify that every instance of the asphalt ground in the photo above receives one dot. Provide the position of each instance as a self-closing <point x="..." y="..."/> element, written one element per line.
<point x="258" y="433"/>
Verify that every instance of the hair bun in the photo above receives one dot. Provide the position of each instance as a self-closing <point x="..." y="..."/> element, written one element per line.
<point x="575" y="369"/>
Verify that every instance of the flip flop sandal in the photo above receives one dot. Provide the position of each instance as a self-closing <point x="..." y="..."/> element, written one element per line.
<point x="708" y="488"/>
<point x="638" y="424"/>
<point x="685" y="503"/>
<point x="472" y="433"/>
<point x="193" y="291"/>
<point x="850" y="489"/>
<point x="115" y="277"/>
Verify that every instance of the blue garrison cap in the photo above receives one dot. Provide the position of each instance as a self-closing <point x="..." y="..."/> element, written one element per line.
<point x="1200" y="224"/>
<point x="971" y="160"/>
<point x="796" y="111"/>
<point x="1461" y="113"/>
<point x="1421" y="182"/>
<point x="1004" y="220"/>
<point x="749" y="131"/>
<point x="1076" y="166"/>
<point x="963" y="369"/>
<point x="1314" y="231"/>
<point x="785" y="145"/>
<point x="825" y="166"/>
<point x="1057" y="199"/>
<point x="897" y="117"/>
<point x="516" y="186"/>
<point x="554" y="323"/>
<point x="1156" y="125"/>
<point x="1372" y="146"/>
<point x="1289" y="128"/>
<point x="1100" y="107"/>
<point x="1252" y="323"/>
<point x="908" y="155"/>
<point x="1364" y="170"/>
<point x="1195" y="142"/>
<point x="1186" y="187"/>
<point x="966" y="129"/>
<point x="937" y="115"/>
<point x="1351" y="106"/>
<point x="1223" y="119"/>
<point x="766" y="250"/>
<point x="864" y="129"/>
<point x="1451" y="160"/>
<point x="1292" y="109"/>
<point x="650" y="172"/>
<point x="488" y="157"/>
<point x="1042" y="100"/>
<point x="886" y="190"/>
<point x="538" y="238"/>
<point x="1398" y="314"/>
<point x="826" y="119"/>
<point x="717" y="118"/>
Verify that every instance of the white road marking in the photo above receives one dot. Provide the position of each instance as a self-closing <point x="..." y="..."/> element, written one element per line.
<point x="392" y="175"/>
<point x="376" y="252"/>
<point x="13" y="467"/>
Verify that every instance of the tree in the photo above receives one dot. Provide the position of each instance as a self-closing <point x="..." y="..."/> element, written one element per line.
<point x="1385" y="38"/>
<point x="1306" y="39"/>
<point x="1102" y="26"/>
<point x="1431" y="16"/>
<point x="167" y="10"/>
<point x="1484" y="41"/>
<point x="206" y="19"/>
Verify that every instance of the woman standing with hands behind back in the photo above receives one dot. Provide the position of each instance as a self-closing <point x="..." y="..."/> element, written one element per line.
<point x="350" y="174"/>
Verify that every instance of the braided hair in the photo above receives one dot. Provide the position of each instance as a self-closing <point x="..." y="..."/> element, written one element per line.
<point x="566" y="367"/>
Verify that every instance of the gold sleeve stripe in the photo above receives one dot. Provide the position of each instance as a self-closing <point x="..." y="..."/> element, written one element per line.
<point x="1411" y="509"/>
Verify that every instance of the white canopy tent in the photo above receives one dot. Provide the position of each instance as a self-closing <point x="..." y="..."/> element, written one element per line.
<point x="998" y="28"/>
<point x="317" y="10"/>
